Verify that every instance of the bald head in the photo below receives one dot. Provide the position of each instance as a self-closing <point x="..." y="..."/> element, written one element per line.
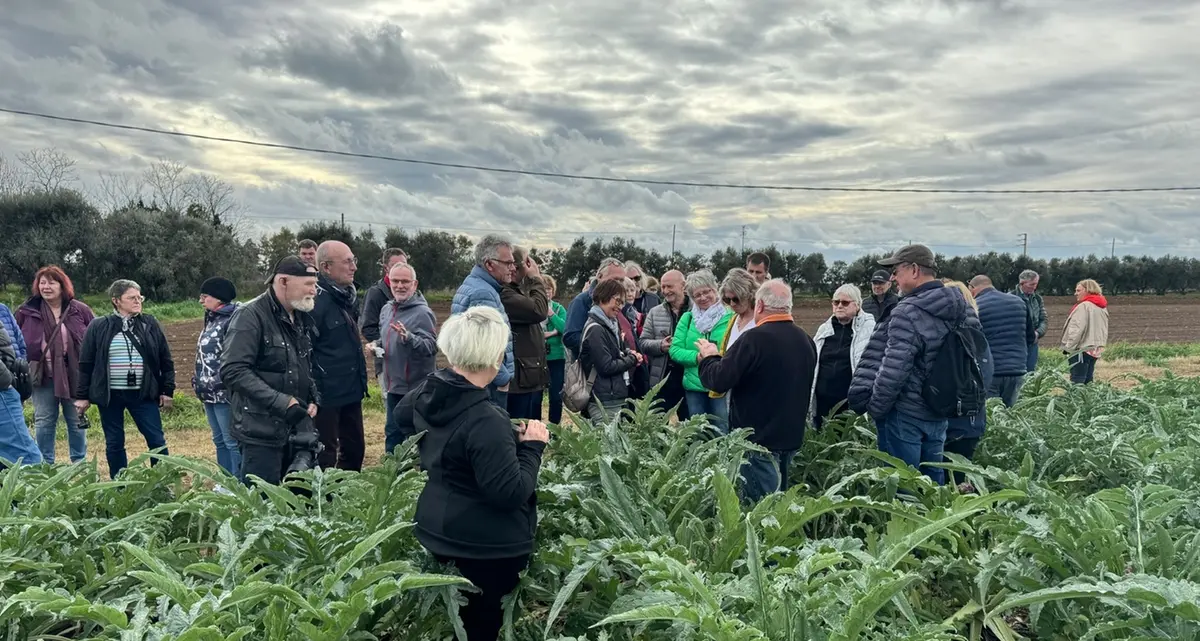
<point x="671" y="287"/>
<point x="979" y="283"/>
<point x="337" y="262"/>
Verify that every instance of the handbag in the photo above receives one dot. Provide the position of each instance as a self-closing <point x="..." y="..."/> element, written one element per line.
<point x="577" y="387"/>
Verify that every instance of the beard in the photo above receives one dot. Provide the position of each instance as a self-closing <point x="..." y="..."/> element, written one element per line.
<point x="304" y="303"/>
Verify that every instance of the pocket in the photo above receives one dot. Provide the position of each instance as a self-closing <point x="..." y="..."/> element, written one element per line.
<point x="260" y="426"/>
<point x="531" y="372"/>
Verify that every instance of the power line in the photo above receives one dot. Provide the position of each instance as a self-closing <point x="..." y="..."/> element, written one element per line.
<point x="609" y="179"/>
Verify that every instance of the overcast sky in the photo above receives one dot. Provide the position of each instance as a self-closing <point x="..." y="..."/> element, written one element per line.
<point x="876" y="93"/>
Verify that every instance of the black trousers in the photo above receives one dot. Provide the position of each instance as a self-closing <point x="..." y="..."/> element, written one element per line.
<point x="267" y="462"/>
<point x="525" y="405"/>
<point x="341" y="430"/>
<point x="1083" y="368"/>
<point x="964" y="447"/>
<point x="484" y="613"/>
<point x="671" y="394"/>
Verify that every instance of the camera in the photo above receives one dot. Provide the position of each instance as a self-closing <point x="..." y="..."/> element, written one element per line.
<point x="131" y="379"/>
<point x="305" y="448"/>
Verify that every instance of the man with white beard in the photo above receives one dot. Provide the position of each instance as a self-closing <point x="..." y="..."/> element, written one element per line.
<point x="266" y="368"/>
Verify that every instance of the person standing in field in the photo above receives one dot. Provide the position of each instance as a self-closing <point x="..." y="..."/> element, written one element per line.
<point x="882" y="299"/>
<point x="16" y="445"/>
<point x="708" y="320"/>
<point x="963" y="433"/>
<point x="1086" y="331"/>
<point x="644" y="299"/>
<point x="125" y="365"/>
<point x="759" y="266"/>
<point x="762" y="372"/>
<point x="216" y="296"/>
<point x="266" y="368"/>
<point x="658" y="330"/>
<point x="55" y="323"/>
<point x="1027" y="290"/>
<point x="606" y="356"/>
<point x="308" y="252"/>
<point x="581" y="305"/>
<point x="9" y="323"/>
<point x="494" y="268"/>
<point x="1010" y="332"/>
<point x="339" y="365"/>
<point x="478" y="510"/>
<point x="379" y="295"/>
<point x="553" y="328"/>
<point x="409" y="343"/>
<point x="527" y="307"/>
<point x="840" y="342"/>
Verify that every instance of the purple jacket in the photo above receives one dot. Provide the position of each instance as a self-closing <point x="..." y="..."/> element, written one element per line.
<point x="897" y="360"/>
<point x="29" y="317"/>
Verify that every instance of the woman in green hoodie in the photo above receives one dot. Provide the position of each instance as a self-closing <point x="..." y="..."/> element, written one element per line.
<point x="555" y="324"/>
<point x="708" y="319"/>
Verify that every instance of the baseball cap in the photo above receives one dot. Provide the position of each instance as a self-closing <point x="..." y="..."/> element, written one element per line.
<point x="914" y="254"/>
<point x="881" y="276"/>
<point x="291" y="266"/>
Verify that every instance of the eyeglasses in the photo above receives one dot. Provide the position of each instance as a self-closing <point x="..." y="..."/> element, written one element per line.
<point x="638" y="277"/>
<point x="134" y="299"/>
<point x="506" y="263"/>
<point x="731" y="300"/>
<point x="842" y="303"/>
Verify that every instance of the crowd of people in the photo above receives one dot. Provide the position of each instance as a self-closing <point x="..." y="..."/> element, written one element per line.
<point x="283" y="377"/>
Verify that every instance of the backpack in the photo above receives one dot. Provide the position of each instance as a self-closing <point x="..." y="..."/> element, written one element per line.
<point x="577" y="386"/>
<point x="954" y="385"/>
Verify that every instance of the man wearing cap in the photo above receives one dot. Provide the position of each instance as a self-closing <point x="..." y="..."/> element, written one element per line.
<point x="266" y="369"/>
<point x="890" y="378"/>
<point x="881" y="301"/>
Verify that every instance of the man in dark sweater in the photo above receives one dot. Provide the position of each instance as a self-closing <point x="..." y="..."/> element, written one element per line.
<point x="766" y="373"/>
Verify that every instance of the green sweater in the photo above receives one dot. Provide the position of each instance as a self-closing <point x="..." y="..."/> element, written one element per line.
<point x="556" y="321"/>
<point x="684" y="350"/>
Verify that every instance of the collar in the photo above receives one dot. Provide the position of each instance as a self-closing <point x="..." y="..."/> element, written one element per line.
<point x="774" y="318"/>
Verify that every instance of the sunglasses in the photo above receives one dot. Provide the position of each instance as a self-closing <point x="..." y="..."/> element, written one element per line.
<point x="638" y="277"/>
<point x="842" y="303"/>
<point x="731" y="300"/>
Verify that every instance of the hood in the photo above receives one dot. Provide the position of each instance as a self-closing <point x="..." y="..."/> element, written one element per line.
<point x="943" y="303"/>
<point x="224" y="310"/>
<point x="417" y="300"/>
<point x="1096" y="299"/>
<point x="445" y="396"/>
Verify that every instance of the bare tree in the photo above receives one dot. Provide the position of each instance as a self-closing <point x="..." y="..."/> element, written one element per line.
<point x="48" y="169"/>
<point x="216" y="198"/>
<point x="119" y="190"/>
<point x="12" y="179"/>
<point x="169" y="185"/>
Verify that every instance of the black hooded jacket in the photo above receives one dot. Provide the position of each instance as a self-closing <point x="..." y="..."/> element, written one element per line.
<point x="480" y="501"/>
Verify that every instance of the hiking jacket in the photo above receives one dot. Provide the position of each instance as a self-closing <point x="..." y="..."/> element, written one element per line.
<point x="374" y="300"/>
<point x="480" y="500"/>
<point x="527" y="307"/>
<point x="862" y="327"/>
<point x="479" y="288"/>
<point x="1086" y="328"/>
<point x="683" y="346"/>
<point x="338" y="362"/>
<point x="75" y="318"/>
<point x="206" y="381"/>
<point x="1037" y="310"/>
<point x="158" y="369"/>
<point x="660" y="323"/>
<point x="880" y="308"/>
<point x="1008" y="328"/>
<point x="611" y="359"/>
<point x="15" y="336"/>
<point x="897" y="360"/>
<point x="265" y="363"/>
<point x="407" y="363"/>
<point x="646" y="302"/>
<point x="556" y="322"/>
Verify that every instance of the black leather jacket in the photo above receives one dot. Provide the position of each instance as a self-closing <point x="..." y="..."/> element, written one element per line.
<point x="265" y="363"/>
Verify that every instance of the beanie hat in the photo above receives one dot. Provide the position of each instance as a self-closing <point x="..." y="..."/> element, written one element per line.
<point x="220" y="289"/>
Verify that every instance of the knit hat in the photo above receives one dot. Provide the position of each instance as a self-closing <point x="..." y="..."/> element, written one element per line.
<point x="220" y="289"/>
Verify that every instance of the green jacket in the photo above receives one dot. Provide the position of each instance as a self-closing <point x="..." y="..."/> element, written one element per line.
<point x="557" y="321"/>
<point x="1037" y="310"/>
<point x="684" y="350"/>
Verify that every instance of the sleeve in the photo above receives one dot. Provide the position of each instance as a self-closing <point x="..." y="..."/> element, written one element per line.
<point x="88" y="315"/>
<point x="721" y="374"/>
<point x="14" y="332"/>
<point x="681" y="352"/>
<point x="369" y="326"/>
<point x="6" y="377"/>
<point x="648" y="343"/>
<point x="526" y="309"/>
<point x="1041" y="319"/>
<point x="505" y="470"/>
<point x="166" y="363"/>
<point x="1073" y="332"/>
<point x="897" y="364"/>
<point x="607" y="362"/>
<point x="87" y="361"/>
<point x="238" y="358"/>
<point x="558" y="320"/>
<point x="576" y="319"/>
<point x="422" y="336"/>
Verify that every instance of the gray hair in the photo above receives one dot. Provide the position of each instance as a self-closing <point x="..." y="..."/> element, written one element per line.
<point x="475" y="340"/>
<point x="606" y="263"/>
<point x="630" y="264"/>
<point x="406" y="266"/>
<point x="489" y="248"/>
<point x="775" y="296"/>
<point x="121" y="286"/>
<point x="852" y="291"/>
<point x="741" y="284"/>
<point x="1028" y="275"/>
<point x="699" y="279"/>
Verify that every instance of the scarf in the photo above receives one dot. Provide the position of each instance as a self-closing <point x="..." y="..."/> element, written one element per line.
<point x="64" y="368"/>
<point x="610" y="323"/>
<point x="1096" y="299"/>
<point x="707" y="319"/>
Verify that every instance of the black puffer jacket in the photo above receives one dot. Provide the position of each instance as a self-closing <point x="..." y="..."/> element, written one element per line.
<point x="158" y="369"/>
<point x="266" y="363"/>
<point x="480" y="500"/>
<point x="602" y="351"/>
<point x="339" y="364"/>
<point x="880" y="308"/>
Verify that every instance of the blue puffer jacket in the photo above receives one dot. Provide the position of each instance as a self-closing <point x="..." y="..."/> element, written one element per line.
<point x="1006" y="324"/>
<point x="9" y="323"/>
<point x="479" y="288"/>
<point x="896" y="362"/>
<point x="207" y="380"/>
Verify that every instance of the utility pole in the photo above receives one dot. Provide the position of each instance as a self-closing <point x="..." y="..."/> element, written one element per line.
<point x="1114" y="247"/>
<point x="671" y="262"/>
<point x="743" y="241"/>
<point x="343" y="223"/>
<point x="1024" y="244"/>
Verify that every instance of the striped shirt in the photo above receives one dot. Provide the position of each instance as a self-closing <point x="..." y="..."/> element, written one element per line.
<point x="123" y="358"/>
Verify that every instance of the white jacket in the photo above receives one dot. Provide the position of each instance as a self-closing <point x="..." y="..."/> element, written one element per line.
<point x="862" y="327"/>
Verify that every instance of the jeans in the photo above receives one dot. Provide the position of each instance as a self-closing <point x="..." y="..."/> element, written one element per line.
<point x="558" y="371"/>
<point x="392" y="436"/>
<point x="522" y="405"/>
<point x="45" y="424"/>
<point x="914" y="441"/>
<point x="341" y="430"/>
<point x="766" y="473"/>
<point x="483" y="615"/>
<point x="146" y="417"/>
<point x="15" y="442"/>
<point x="1083" y="368"/>
<point x="717" y="408"/>
<point x="1031" y="360"/>
<point x="229" y="454"/>
<point x="964" y="447"/>
<point x="1006" y="388"/>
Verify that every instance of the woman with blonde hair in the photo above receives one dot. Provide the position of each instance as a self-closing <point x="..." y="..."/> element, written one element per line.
<point x="1086" y="331"/>
<point x="708" y="319"/>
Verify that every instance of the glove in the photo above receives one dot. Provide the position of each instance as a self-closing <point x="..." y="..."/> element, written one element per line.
<point x="295" y="414"/>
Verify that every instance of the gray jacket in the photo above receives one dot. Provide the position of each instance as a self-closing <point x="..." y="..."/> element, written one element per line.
<point x="406" y="363"/>
<point x="659" y="324"/>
